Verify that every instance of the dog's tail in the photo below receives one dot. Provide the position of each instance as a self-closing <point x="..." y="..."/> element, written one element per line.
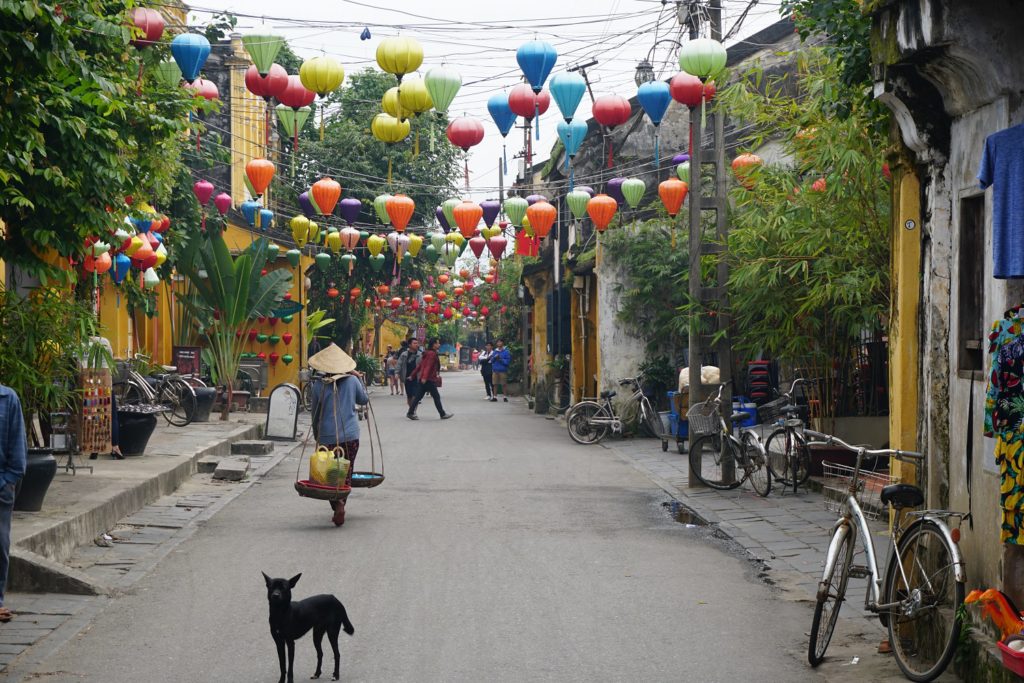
<point x="345" y="623"/>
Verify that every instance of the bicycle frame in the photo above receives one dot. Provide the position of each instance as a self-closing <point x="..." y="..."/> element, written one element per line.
<point x="615" y="422"/>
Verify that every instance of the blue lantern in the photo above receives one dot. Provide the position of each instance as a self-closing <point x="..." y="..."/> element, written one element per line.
<point x="567" y="91"/>
<point x="536" y="59"/>
<point x="249" y="209"/>
<point x="264" y="218"/>
<point x="190" y="51"/>
<point x="654" y="97"/>
<point x="122" y="265"/>
<point x="158" y="237"/>
<point x="572" y="135"/>
<point x="503" y="117"/>
<point x="142" y="224"/>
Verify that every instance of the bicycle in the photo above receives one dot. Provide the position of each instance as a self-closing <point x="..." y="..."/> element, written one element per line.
<point x="786" y="446"/>
<point x="589" y="421"/>
<point x="169" y="390"/>
<point x="920" y="595"/>
<point x="717" y="455"/>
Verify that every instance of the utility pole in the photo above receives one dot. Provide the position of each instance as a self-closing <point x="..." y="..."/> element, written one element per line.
<point x="582" y="68"/>
<point x="710" y="303"/>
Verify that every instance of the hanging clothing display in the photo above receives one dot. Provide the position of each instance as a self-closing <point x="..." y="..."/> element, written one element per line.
<point x="1002" y="167"/>
<point x="1004" y="419"/>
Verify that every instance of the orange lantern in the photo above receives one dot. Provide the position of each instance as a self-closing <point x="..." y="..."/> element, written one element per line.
<point x="443" y="278"/>
<point x="464" y="273"/>
<point x="744" y="166"/>
<point x="333" y="293"/>
<point x="383" y="290"/>
<point x="819" y="185"/>
<point x="458" y="291"/>
<point x="354" y="293"/>
<point x="326" y="193"/>
<point x="467" y="217"/>
<point x="542" y="216"/>
<point x="489" y="278"/>
<point x="400" y="208"/>
<point x="396" y="302"/>
<point x="601" y="209"/>
<point x="260" y="172"/>
<point x="427" y="298"/>
<point x="441" y="296"/>
<point x="414" y="285"/>
<point x="673" y="192"/>
<point x="366" y="302"/>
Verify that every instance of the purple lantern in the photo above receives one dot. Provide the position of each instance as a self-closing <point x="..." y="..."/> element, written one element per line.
<point x="534" y="198"/>
<point x="585" y="188"/>
<point x="349" y="209"/>
<point x="491" y="209"/>
<point x="680" y="158"/>
<point x="614" y="189"/>
<point x="306" y="205"/>
<point x="442" y="219"/>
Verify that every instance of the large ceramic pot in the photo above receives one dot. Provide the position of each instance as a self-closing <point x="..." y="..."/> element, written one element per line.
<point x="39" y="471"/>
<point x="204" y="403"/>
<point x="134" y="430"/>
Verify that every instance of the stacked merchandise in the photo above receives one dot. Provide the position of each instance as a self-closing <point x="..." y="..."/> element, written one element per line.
<point x="96" y="416"/>
<point x="760" y="381"/>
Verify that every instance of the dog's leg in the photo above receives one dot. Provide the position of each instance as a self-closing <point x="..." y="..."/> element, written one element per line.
<point x="318" y="636"/>
<point x="291" y="661"/>
<point x="332" y="635"/>
<point x="349" y="628"/>
<point x="280" y="657"/>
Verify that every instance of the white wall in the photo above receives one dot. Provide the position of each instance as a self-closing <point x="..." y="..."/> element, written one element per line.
<point x="621" y="351"/>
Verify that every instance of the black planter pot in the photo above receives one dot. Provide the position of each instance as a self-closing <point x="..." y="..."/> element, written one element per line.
<point x="39" y="473"/>
<point x="204" y="403"/>
<point x="134" y="431"/>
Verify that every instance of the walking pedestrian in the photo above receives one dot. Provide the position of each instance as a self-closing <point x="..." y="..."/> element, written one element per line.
<point x="392" y="370"/>
<point x="407" y="362"/>
<point x="500" y="361"/>
<point x="486" y="370"/>
<point x="428" y="374"/>
<point x="13" y="454"/>
<point x="335" y="397"/>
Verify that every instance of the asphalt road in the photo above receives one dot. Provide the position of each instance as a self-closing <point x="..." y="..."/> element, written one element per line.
<point x="496" y="550"/>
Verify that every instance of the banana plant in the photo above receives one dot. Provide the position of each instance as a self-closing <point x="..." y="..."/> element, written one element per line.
<point x="314" y="322"/>
<point x="229" y="295"/>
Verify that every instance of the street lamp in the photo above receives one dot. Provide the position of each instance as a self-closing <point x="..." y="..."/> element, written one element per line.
<point x="644" y="72"/>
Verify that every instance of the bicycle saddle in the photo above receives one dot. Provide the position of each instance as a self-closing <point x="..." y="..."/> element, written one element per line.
<point x="169" y="368"/>
<point x="738" y="417"/>
<point x="902" y="496"/>
<point x="607" y="394"/>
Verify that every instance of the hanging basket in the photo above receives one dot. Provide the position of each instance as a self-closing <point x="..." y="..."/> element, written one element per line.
<point x="311" y="489"/>
<point x="367" y="480"/>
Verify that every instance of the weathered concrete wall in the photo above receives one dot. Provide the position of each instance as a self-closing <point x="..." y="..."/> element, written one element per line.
<point x="621" y="351"/>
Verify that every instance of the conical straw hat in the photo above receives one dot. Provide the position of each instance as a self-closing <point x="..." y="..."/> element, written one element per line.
<point x="332" y="361"/>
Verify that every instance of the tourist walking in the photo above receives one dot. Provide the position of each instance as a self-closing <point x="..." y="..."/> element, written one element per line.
<point x="500" y="362"/>
<point x="486" y="370"/>
<point x="407" y="362"/>
<point x="392" y="370"/>
<point x="13" y="454"/>
<point x="428" y="374"/>
<point x="335" y="397"/>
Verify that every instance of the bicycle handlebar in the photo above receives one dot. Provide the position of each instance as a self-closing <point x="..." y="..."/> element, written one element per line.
<point x="821" y="439"/>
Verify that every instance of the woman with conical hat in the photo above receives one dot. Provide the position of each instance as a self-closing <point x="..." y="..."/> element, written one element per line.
<point x="335" y="398"/>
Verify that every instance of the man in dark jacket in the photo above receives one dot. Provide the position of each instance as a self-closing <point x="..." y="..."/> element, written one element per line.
<point x="407" y="362"/>
<point x="13" y="454"/>
<point x="500" y="362"/>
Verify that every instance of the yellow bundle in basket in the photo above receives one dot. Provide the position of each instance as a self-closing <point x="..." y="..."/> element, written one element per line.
<point x="328" y="467"/>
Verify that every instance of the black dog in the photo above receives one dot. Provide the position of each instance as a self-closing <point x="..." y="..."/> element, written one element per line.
<point x="289" y="621"/>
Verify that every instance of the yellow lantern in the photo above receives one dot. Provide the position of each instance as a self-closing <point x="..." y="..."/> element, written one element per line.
<point x="392" y="105"/>
<point x="300" y="230"/>
<point x="161" y="255"/>
<point x="322" y="75"/>
<point x="399" y="55"/>
<point x="415" y="244"/>
<point x="333" y="242"/>
<point x="414" y="97"/>
<point x="314" y="231"/>
<point x="134" y="246"/>
<point x="390" y="129"/>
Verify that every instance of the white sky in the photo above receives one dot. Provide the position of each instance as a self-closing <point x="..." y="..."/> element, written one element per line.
<point x="479" y="39"/>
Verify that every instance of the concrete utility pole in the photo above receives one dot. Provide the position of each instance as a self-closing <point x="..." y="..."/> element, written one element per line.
<point x="709" y="298"/>
<point x="582" y="68"/>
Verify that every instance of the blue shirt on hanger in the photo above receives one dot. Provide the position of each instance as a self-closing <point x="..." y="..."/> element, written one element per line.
<point x="1002" y="167"/>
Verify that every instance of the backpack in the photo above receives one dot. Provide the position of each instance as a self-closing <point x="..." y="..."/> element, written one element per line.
<point x="410" y="363"/>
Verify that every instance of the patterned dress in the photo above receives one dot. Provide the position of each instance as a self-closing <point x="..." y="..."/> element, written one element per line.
<point x="1004" y="419"/>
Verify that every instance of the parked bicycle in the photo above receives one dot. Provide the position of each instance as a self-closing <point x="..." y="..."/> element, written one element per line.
<point x="720" y="459"/>
<point x="589" y="421"/>
<point x="168" y="389"/>
<point x="919" y="597"/>
<point x="786" y="446"/>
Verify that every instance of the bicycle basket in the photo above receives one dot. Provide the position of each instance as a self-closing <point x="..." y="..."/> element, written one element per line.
<point x="836" y="488"/>
<point x="703" y="419"/>
<point x="773" y="411"/>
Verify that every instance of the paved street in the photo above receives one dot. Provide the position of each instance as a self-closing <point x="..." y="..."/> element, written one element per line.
<point x="495" y="550"/>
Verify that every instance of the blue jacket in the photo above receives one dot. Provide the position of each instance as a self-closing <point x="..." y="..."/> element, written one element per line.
<point x="338" y="420"/>
<point x="13" y="451"/>
<point x="501" y="360"/>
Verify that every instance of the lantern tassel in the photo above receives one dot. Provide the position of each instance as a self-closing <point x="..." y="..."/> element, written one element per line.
<point x="295" y="141"/>
<point x="703" y="116"/>
<point x="432" y="134"/>
<point x="322" y="122"/>
<point x="204" y="220"/>
<point x="572" y="174"/>
<point x="611" y="158"/>
<point x="466" y="163"/>
<point x="673" y="235"/>
<point x="657" y="156"/>
<point x="504" y="157"/>
<point x="416" y="145"/>
<point x="536" y="115"/>
<point x="389" y="170"/>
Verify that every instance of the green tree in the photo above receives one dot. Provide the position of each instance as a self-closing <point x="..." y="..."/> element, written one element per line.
<point x="80" y="131"/>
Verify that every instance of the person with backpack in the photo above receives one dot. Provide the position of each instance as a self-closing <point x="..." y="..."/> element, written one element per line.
<point x="486" y="370"/>
<point x="407" y="362"/>
<point x="500" y="362"/>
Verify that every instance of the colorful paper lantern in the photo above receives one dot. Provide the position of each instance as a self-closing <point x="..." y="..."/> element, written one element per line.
<point x="190" y="51"/>
<point x="400" y="209"/>
<point x="633" y="190"/>
<point x="523" y="101"/>
<point x="442" y="86"/>
<point x="259" y="173"/>
<point x="389" y="129"/>
<point x="542" y="216"/>
<point x="467" y="216"/>
<point x="325" y="193"/>
<point x="536" y="59"/>
<point x="601" y="209"/>
<point x="263" y="49"/>
<point x="399" y="55"/>
<point x="567" y="90"/>
<point x="703" y="58"/>
<point x="672" y="193"/>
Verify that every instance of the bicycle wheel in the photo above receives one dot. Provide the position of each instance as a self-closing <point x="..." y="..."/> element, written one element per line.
<point x="649" y="419"/>
<point x="779" y="447"/>
<point x="755" y="463"/>
<point x="131" y="394"/>
<point x="925" y="628"/>
<point x="306" y="396"/>
<point x="717" y="462"/>
<point x="831" y="593"/>
<point x="580" y="418"/>
<point x="181" y="398"/>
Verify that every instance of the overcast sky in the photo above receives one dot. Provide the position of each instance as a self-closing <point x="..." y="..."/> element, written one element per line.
<point x="479" y="38"/>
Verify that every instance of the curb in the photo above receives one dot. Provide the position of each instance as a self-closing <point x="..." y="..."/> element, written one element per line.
<point x="33" y="568"/>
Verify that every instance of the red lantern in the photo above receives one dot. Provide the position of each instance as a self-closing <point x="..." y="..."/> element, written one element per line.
<point x="396" y="302"/>
<point x="464" y="273"/>
<point x="286" y="338"/>
<point x="688" y="90"/>
<point x="149" y="26"/>
<point x="523" y="102"/>
<point x="383" y="290"/>
<point x="488" y="278"/>
<point x="427" y="298"/>
<point x="204" y="88"/>
<point x="448" y="312"/>
<point x="495" y="297"/>
<point x="274" y="358"/>
<point x="261" y="355"/>
<point x="465" y="132"/>
<point x="295" y="95"/>
<point x="442" y="296"/>
<point x="504" y="309"/>
<point x="252" y="335"/>
<point x="271" y="85"/>
<point x="333" y="293"/>
<point x="366" y="302"/>
<point x="443" y="278"/>
<point x="673" y="192"/>
<point x="819" y="185"/>
<point x="744" y="166"/>
<point x="476" y="299"/>
<point x="466" y="310"/>
<point x="611" y="110"/>
<point x="272" y="320"/>
<point x="287" y="296"/>
<point x="542" y="216"/>
<point x="458" y="291"/>
<point x="485" y="311"/>
<point x="415" y="285"/>
<point x="354" y="293"/>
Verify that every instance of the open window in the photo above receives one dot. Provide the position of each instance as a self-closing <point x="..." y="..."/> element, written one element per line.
<point x="971" y="285"/>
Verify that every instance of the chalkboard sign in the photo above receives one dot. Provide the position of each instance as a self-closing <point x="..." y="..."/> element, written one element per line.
<point x="187" y="359"/>
<point x="283" y="413"/>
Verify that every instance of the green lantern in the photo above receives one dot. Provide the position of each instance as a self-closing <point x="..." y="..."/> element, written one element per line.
<point x="287" y="319"/>
<point x="287" y="358"/>
<point x="272" y="252"/>
<point x="323" y="262"/>
<point x="363" y="236"/>
<point x="293" y="256"/>
<point x="380" y="205"/>
<point x="167" y="73"/>
<point x="683" y="171"/>
<point x="633" y="190"/>
<point x="274" y="339"/>
<point x="442" y="85"/>
<point x="515" y="209"/>
<point x="703" y="58"/>
<point x="448" y="209"/>
<point x="431" y="254"/>
<point x="377" y="262"/>
<point x="261" y="338"/>
<point x="451" y="254"/>
<point x="348" y="261"/>
<point x="292" y="120"/>
<point x="263" y="49"/>
<point x="577" y="201"/>
<point x="437" y="240"/>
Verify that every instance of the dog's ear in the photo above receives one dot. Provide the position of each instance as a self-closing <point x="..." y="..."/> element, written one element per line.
<point x="294" y="580"/>
<point x="266" y="578"/>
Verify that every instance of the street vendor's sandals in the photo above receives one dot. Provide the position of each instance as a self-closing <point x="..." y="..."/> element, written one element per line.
<point x="5" y="615"/>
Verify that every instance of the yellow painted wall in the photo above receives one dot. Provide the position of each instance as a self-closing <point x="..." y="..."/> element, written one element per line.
<point x="584" y="342"/>
<point x="539" y="286"/>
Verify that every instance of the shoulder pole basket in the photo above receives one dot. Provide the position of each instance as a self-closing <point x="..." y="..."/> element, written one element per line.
<point x="375" y="477"/>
